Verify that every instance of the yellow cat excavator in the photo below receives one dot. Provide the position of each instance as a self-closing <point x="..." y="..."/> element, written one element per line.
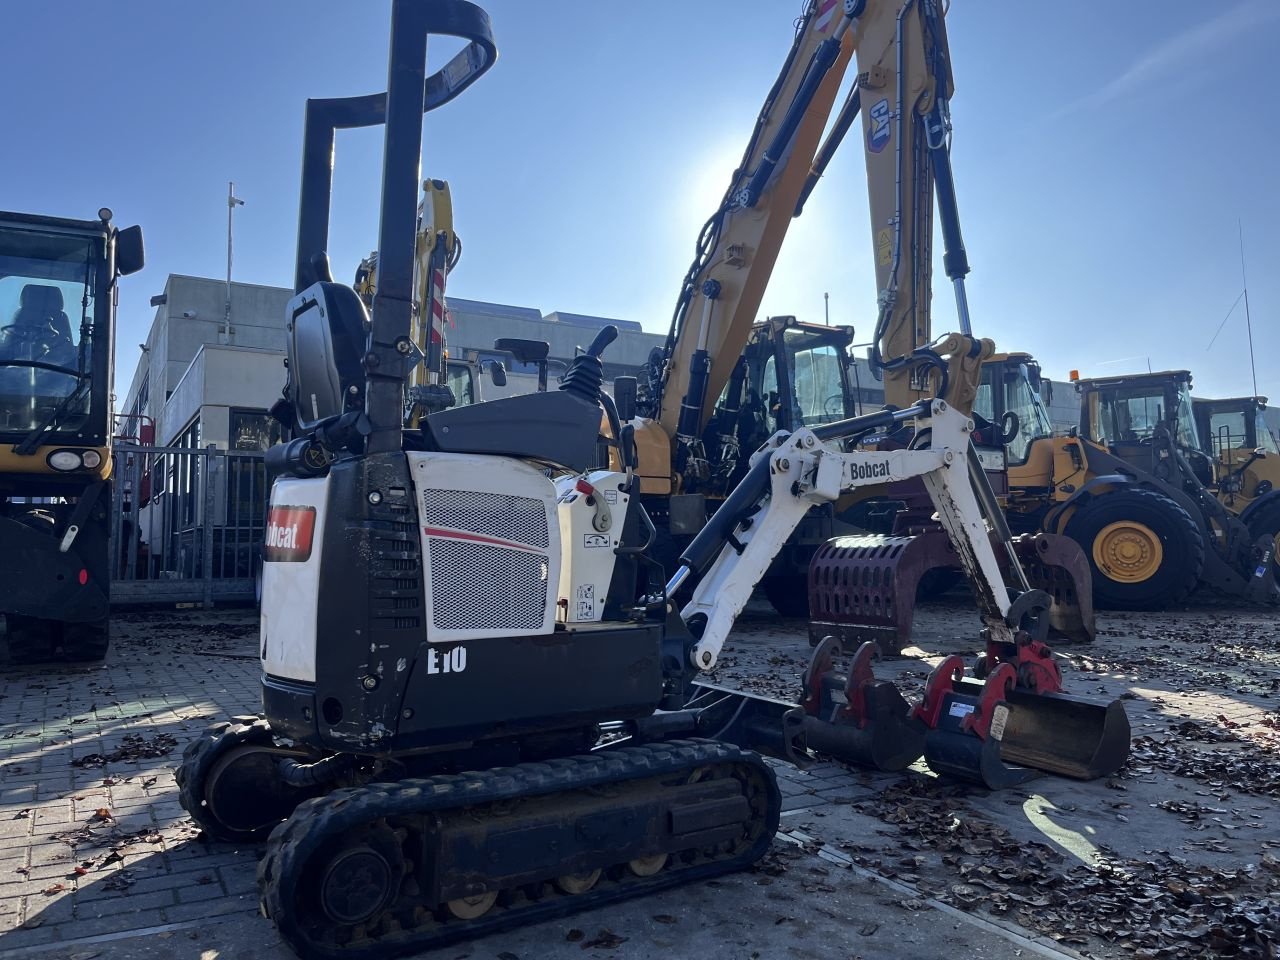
<point x="722" y="379"/>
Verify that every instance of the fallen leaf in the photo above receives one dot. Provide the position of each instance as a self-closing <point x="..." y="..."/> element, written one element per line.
<point x="55" y="888"/>
<point x="665" y="918"/>
<point x="574" y="935"/>
<point x="605" y="939"/>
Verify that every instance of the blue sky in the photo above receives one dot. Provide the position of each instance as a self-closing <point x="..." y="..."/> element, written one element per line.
<point x="1104" y="153"/>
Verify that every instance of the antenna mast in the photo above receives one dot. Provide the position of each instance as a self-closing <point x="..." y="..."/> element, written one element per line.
<point x="1247" y="319"/>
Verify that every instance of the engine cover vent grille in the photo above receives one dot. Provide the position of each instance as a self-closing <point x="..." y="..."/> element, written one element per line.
<point x="519" y="519"/>
<point x="512" y="583"/>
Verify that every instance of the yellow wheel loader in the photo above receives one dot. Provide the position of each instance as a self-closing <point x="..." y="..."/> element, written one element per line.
<point x="57" y="358"/>
<point x="1136" y="489"/>
<point x="1133" y="485"/>
<point x="1246" y="461"/>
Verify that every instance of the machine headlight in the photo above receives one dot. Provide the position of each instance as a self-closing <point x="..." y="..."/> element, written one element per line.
<point x="91" y="459"/>
<point x="65" y="460"/>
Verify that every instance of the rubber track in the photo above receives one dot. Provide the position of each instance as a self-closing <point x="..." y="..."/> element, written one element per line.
<point x="198" y="759"/>
<point x="316" y="822"/>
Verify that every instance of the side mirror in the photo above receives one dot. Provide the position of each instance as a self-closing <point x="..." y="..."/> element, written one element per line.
<point x="130" y="256"/>
<point x="1046" y="392"/>
<point x="624" y="397"/>
<point x="1260" y="452"/>
<point x="498" y="373"/>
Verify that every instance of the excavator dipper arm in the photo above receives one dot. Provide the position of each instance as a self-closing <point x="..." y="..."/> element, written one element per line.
<point x="792" y="472"/>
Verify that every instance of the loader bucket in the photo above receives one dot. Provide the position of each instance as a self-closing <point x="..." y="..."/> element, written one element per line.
<point x="955" y="753"/>
<point x="891" y="741"/>
<point x="854" y="717"/>
<point x="864" y="587"/>
<point x="1065" y="734"/>
<point x="1047" y="732"/>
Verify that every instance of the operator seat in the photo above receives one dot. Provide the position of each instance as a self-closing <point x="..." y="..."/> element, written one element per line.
<point x="40" y="320"/>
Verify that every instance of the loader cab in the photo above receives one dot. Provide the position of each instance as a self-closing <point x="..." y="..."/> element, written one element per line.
<point x="1243" y="450"/>
<point x="798" y="373"/>
<point x="57" y="280"/>
<point x="1238" y="424"/>
<point x="1130" y="416"/>
<point x="1010" y="397"/>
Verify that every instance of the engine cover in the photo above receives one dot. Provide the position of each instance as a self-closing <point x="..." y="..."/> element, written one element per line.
<point x="490" y="546"/>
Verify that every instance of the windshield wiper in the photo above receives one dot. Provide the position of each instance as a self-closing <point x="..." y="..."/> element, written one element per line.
<point x="31" y="442"/>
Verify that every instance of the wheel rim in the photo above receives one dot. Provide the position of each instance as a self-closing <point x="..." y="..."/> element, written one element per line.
<point x="1128" y="551"/>
<point x="356" y="885"/>
<point x="468" y="908"/>
<point x="578" y="882"/>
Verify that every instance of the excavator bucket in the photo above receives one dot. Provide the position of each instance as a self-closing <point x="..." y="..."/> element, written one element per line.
<point x="1065" y="734"/>
<point x="998" y="733"/>
<point x="864" y="587"/>
<point x="854" y="717"/>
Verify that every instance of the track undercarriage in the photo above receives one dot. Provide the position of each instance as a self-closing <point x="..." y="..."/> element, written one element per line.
<point x="395" y="866"/>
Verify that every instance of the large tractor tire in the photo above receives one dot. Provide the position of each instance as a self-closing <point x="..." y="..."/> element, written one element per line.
<point x="1265" y="522"/>
<point x="1144" y="550"/>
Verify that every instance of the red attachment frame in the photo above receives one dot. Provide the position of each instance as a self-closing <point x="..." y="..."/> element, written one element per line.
<point x="1032" y="661"/>
<point x="997" y="686"/>
<point x="854" y="710"/>
<point x="941" y="682"/>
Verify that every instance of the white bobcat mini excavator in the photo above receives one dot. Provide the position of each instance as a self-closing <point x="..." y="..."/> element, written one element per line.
<point x="452" y="614"/>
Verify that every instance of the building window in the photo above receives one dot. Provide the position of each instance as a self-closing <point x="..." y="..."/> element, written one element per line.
<point x="253" y="430"/>
<point x="144" y="395"/>
<point x="184" y="474"/>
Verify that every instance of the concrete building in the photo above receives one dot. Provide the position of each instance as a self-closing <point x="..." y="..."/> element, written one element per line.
<point x="201" y="384"/>
<point x="193" y="375"/>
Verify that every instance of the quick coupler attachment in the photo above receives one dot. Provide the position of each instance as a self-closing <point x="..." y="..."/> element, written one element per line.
<point x="855" y="718"/>
<point x="1000" y="733"/>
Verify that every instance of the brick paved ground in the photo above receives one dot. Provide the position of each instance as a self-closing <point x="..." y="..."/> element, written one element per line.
<point x="74" y="742"/>
<point x="73" y="745"/>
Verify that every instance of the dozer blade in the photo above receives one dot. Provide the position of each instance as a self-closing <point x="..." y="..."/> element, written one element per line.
<point x="856" y="718"/>
<point x="864" y="587"/>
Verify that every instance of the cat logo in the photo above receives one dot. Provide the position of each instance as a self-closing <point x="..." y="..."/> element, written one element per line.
<point x="878" y="131"/>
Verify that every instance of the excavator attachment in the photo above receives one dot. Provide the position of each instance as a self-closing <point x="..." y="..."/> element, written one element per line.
<point x="1012" y="721"/>
<point x="854" y="717"/>
<point x="864" y="587"/>
<point x="1005" y="724"/>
